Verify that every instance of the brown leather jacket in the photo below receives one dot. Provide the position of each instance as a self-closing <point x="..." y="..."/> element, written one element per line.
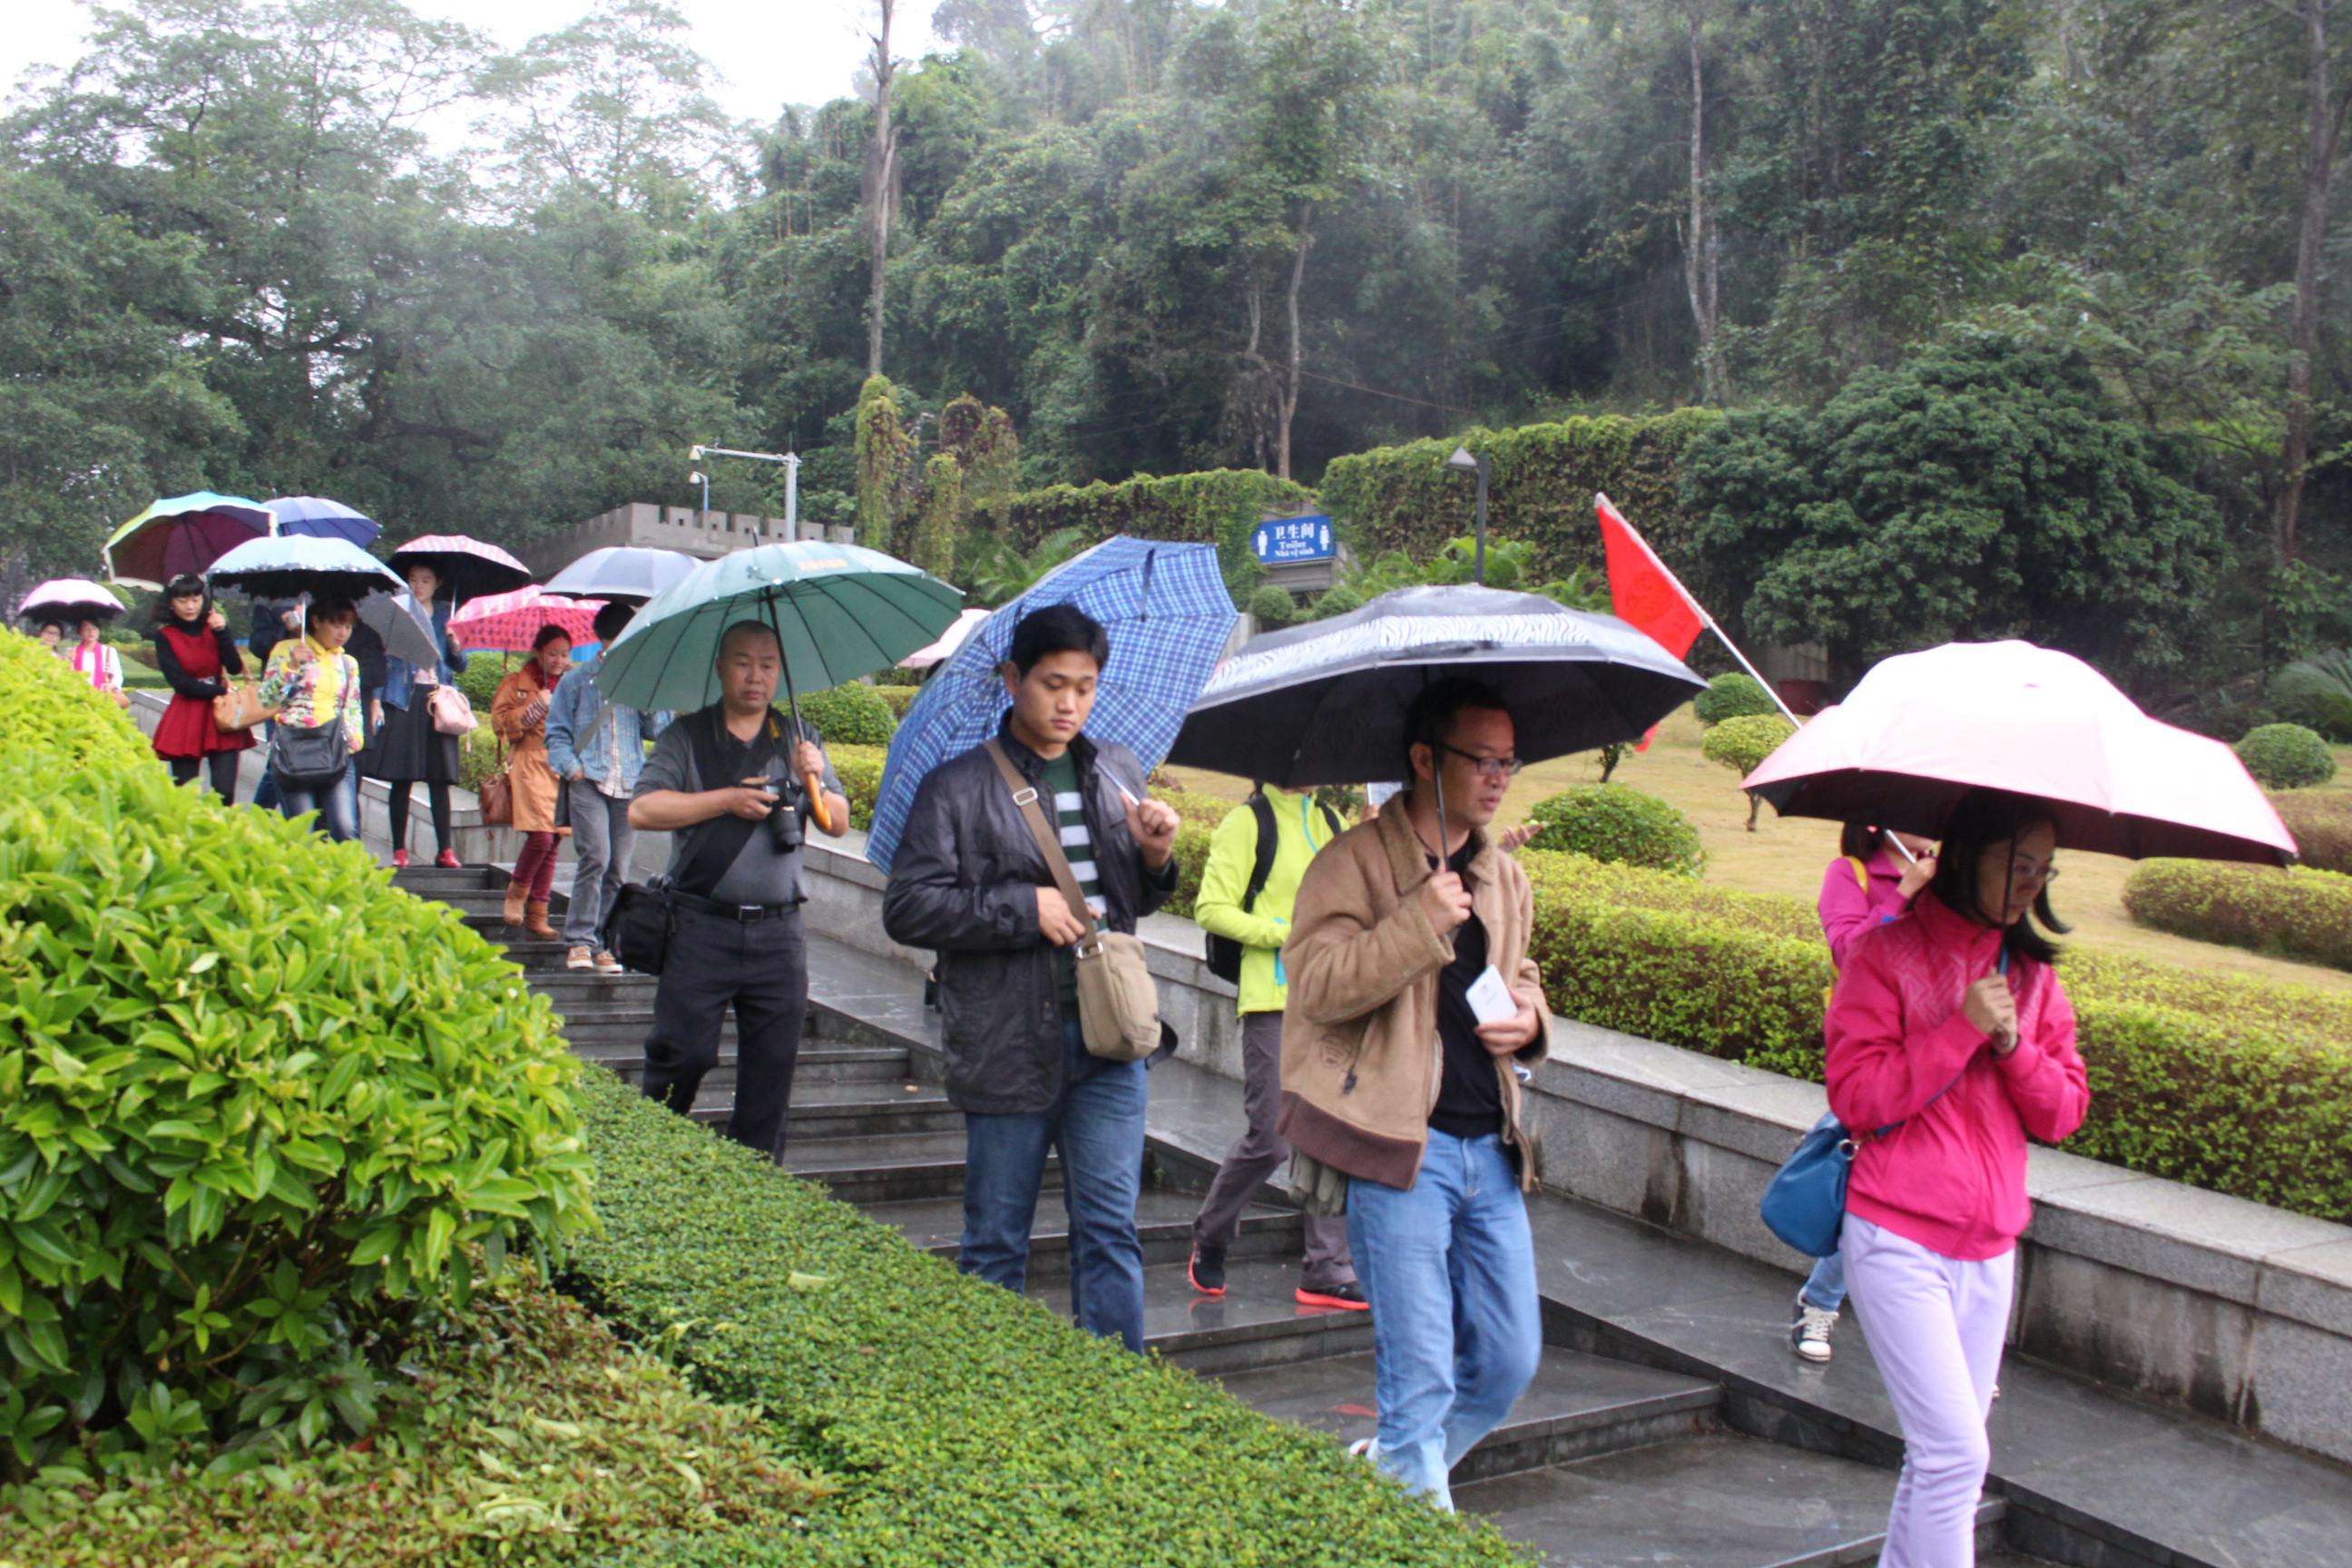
<point x="1360" y="1058"/>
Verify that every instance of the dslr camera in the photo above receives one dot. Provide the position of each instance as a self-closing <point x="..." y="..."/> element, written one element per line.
<point x="784" y="817"/>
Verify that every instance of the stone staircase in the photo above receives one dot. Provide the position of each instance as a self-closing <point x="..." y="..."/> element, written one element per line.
<point x="1604" y="1461"/>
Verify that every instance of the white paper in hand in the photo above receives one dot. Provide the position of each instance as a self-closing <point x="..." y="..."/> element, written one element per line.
<point x="1490" y="1000"/>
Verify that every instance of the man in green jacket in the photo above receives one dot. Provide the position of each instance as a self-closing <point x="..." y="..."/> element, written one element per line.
<point x="1300" y="828"/>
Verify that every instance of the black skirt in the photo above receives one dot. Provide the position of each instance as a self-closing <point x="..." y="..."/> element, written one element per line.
<point x="408" y="750"/>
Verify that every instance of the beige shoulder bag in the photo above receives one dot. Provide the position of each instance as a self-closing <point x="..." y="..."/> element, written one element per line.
<point x="1118" y="1005"/>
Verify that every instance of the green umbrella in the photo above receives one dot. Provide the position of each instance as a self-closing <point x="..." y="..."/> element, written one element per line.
<point x="840" y="612"/>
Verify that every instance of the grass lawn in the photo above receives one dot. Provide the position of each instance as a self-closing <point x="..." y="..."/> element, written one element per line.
<point x="1787" y="855"/>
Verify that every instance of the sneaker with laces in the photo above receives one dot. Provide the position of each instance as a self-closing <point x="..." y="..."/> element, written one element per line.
<point x="1207" y="1270"/>
<point x="578" y="958"/>
<point x="1348" y="1298"/>
<point x="1809" y="1330"/>
<point x="607" y="964"/>
<point x="1365" y="1448"/>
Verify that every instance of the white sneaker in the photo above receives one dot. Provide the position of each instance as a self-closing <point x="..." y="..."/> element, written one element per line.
<point x="1365" y="1448"/>
<point x="1809" y="1330"/>
<point x="580" y="958"/>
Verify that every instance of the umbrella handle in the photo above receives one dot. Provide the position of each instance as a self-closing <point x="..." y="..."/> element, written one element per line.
<point x="818" y="812"/>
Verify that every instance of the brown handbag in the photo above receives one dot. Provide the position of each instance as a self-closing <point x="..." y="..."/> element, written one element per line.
<point x="497" y="797"/>
<point x="1118" y="1005"/>
<point x="240" y="708"/>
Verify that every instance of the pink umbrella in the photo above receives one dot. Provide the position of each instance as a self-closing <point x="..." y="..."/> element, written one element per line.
<point x="69" y="599"/>
<point x="949" y="640"/>
<point x="1922" y="730"/>
<point x="467" y="567"/>
<point x="506" y="623"/>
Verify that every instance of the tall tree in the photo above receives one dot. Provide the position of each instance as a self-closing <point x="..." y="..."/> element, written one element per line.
<point x="881" y="188"/>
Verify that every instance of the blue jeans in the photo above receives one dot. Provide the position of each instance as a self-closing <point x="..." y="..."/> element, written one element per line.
<point x="1825" y="1286"/>
<point x="265" y="794"/>
<point x="1449" y="1270"/>
<point x="333" y="804"/>
<point x="1097" y="1129"/>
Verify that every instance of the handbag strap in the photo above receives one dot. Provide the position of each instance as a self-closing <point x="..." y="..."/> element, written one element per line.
<point x="1049" y="837"/>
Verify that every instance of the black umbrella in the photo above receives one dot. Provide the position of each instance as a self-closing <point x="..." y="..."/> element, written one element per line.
<point x="1325" y="703"/>
<point x="467" y="567"/>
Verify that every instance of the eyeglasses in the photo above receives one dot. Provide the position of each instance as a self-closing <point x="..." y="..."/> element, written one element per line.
<point x="1486" y="767"/>
<point x="2032" y="871"/>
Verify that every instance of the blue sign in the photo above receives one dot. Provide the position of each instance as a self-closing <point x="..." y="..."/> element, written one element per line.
<point x="1294" y="538"/>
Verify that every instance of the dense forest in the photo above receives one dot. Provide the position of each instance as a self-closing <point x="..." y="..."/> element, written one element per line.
<point x="330" y="246"/>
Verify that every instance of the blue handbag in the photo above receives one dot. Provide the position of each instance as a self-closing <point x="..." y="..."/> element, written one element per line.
<point x="1804" y="1203"/>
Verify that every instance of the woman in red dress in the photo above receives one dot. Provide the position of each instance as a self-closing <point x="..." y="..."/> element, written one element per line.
<point x="197" y="654"/>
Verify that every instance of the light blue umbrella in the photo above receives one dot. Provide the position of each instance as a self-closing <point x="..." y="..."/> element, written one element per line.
<point x="1169" y="618"/>
<point x="318" y="517"/>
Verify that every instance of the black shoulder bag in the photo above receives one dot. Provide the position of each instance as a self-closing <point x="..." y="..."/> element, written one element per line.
<point x="638" y="927"/>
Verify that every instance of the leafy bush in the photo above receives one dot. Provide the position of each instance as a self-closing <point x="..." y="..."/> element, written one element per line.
<point x="232" y="1142"/>
<point x="1733" y="695"/>
<point x="1191" y="858"/>
<point x="1274" y="608"/>
<point x="479" y="680"/>
<point x="2239" y="1085"/>
<point x="1741" y="744"/>
<point x="2286" y="756"/>
<point x="529" y="1436"/>
<point x="860" y="768"/>
<point x="1618" y="823"/>
<point x="969" y="1424"/>
<point x="2303" y="914"/>
<point x="851" y="715"/>
<point x="2321" y="825"/>
<point x="897" y="699"/>
<point x="2317" y="692"/>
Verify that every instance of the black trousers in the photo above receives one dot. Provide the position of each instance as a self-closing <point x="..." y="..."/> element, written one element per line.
<point x="219" y="766"/>
<point x="762" y="969"/>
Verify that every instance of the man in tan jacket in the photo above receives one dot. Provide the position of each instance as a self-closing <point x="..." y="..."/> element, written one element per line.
<point x="1389" y="1075"/>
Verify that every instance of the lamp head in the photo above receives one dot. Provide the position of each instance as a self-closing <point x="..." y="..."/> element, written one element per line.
<point x="694" y="453"/>
<point x="1462" y="459"/>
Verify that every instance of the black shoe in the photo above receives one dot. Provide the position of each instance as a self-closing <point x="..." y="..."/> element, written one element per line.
<point x="932" y="991"/>
<point x="1207" y="1270"/>
<point x="1348" y="1298"/>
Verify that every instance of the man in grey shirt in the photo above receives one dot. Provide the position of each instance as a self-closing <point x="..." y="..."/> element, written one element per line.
<point x="725" y="780"/>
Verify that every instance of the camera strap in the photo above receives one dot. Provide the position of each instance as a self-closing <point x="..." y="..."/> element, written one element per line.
<point x="719" y="840"/>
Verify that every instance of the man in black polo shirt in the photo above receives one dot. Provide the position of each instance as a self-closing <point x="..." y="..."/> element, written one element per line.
<point x="716" y="780"/>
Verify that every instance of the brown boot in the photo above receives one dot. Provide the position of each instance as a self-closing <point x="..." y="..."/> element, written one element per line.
<point x="516" y="894"/>
<point x="536" y="927"/>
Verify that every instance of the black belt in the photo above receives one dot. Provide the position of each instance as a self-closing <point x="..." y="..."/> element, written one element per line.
<point x="745" y="914"/>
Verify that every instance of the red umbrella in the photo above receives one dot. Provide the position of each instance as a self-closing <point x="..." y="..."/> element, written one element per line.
<point x="1922" y="730"/>
<point x="467" y="567"/>
<point x="506" y="623"/>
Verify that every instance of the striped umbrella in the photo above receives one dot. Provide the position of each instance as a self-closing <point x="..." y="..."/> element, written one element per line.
<point x="506" y="623"/>
<point x="1169" y="617"/>
<point x="182" y="533"/>
<point x="467" y="567"/>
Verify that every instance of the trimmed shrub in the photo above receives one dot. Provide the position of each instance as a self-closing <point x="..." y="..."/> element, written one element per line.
<point x="2303" y="914"/>
<point x="860" y="768"/>
<point x="1735" y="694"/>
<point x="851" y="715"/>
<point x="2239" y="1085"/>
<point x="1620" y="824"/>
<point x="968" y="1424"/>
<point x="1191" y="858"/>
<point x="1274" y="608"/>
<point x="479" y="680"/>
<point x="529" y="1437"/>
<point x="897" y="699"/>
<point x="1742" y="743"/>
<point x="2321" y="825"/>
<point x="2286" y="756"/>
<point x="234" y="1144"/>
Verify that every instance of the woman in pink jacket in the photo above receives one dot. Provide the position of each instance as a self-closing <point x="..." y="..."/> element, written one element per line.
<point x="1950" y="1042"/>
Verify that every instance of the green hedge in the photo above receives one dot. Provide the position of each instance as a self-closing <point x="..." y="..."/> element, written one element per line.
<point x="1734" y="694"/>
<point x="2239" y="1085"/>
<point x="851" y="715"/>
<point x="1541" y="479"/>
<point x="1218" y="506"/>
<point x="234" y="1142"/>
<point x="860" y="768"/>
<point x="1619" y="823"/>
<point x="2286" y="756"/>
<point x="2321" y="822"/>
<point x="2304" y="914"/>
<point x="965" y="1424"/>
<point x="897" y="699"/>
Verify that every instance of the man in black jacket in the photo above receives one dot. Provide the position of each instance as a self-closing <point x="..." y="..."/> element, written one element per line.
<point x="971" y="883"/>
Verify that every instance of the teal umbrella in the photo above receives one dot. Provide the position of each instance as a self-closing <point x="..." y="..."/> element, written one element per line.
<point x="839" y="611"/>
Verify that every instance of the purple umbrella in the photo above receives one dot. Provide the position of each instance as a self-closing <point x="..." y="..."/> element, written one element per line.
<point x="182" y="533"/>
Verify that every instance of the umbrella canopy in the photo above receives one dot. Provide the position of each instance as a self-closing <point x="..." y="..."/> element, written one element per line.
<point x="467" y="567"/>
<point x="402" y="623"/>
<point x="182" y="533"/>
<point x="69" y="599"/>
<point x="950" y="640"/>
<point x="1922" y="730"/>
<point x="317" y="516"/>
<point x="506" y="623"/>
<point x="285" y="567"/>
<point x="626" y="571"/>
<point x="840" y="611"/>
<point x="1325" y="703"/>
<point x="1169" y="617"/>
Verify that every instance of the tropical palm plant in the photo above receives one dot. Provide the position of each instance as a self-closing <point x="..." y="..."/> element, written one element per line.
<point x="998" y="573"/>
<point x="2317" y="692"/>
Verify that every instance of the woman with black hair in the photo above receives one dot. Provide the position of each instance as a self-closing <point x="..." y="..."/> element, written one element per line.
<point x="197" y="655"/>
<point x="408" y="749"/>
<point x="1950" y="1042"/>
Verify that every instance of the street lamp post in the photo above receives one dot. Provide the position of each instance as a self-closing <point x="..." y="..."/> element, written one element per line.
<point x="792" y="479"/>
<point x="1462" y="459"/>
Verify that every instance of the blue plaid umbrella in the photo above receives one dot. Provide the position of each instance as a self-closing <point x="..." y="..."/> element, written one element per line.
<point x="1169" y="617"/>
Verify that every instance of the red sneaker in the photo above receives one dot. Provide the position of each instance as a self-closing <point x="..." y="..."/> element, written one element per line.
<point x="399" y="859"/>
<point x="447" y="860"/>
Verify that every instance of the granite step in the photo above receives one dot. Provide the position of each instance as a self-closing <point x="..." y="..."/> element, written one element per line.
<point x="571" y="991"/>
<point x="865" y="1170"/>
<point x="1163" y="1219"/>
<point x="431" y="881"/>
<point x="1258" y="1323"/>
<point x="818" y="1069"/>
<point x="1714" y="1501"/>
<point x="1577" y="1406"/>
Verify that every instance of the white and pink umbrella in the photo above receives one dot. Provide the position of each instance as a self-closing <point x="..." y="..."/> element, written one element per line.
<point x="506" y="623"/>
<point x="68" y="600"/>
<point x="467" y="567"/>
<point x="1922" y="730"/>
<point x="949" y="640"/>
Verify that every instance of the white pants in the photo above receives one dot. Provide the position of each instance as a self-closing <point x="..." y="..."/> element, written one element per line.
<point x="1935" y="1326"/>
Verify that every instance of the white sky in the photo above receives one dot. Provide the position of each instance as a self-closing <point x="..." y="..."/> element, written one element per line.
<point x="768" y="53"/>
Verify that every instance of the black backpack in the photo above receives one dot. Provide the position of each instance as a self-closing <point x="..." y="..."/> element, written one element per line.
<point x="1225" y="954"/>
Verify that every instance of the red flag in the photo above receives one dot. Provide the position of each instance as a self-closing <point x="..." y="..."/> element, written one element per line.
<point x="1641" y="592"/>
